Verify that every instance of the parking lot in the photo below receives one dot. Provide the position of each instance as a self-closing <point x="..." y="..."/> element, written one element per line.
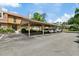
<point x="55" y="44"/>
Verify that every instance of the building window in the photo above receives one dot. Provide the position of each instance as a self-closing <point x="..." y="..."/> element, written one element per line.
<point x="14" y="27"/>
<point x="1" y="15"/>
<point x="14" y="19"/>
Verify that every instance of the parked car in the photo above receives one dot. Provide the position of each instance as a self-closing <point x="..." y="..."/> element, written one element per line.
<point x="58" y="30"/>
<point x="51" y="31"/>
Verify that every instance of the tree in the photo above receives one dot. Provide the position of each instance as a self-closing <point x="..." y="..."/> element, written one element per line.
<point x="71" y="20"/>
<point x="76" y="13"/>
<point x="74" y="21"/>
<point x="39" y="17"/>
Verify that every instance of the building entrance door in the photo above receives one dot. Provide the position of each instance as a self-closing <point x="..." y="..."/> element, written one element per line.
<point x="14" y="27"/>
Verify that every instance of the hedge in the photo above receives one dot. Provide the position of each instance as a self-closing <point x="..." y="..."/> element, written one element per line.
<point x="8" y="30"/>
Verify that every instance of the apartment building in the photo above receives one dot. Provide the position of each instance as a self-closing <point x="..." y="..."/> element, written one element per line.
<point x="16" y="21"/>
<point x="10" y="20"/>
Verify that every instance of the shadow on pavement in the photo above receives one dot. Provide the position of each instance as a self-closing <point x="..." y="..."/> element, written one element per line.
<point x="77" y="36"/>
<point x="77" y="41"/>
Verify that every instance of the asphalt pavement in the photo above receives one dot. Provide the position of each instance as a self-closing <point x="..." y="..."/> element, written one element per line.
<point x="55" y="44"/>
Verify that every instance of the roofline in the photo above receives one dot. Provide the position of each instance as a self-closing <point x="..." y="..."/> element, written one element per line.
<point x="27" y="19"/>
<point x="15" y="14"/>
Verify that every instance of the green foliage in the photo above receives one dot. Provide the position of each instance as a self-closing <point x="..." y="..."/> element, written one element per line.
<point x="75" y="19"/>
<point x="39" y="17"/>
<point x="2" y="30"/>
<point x="74" y="28"/>
<point x="76" y="10"/>
<point x="8" y="30"/>
<point x="71" y="20"/>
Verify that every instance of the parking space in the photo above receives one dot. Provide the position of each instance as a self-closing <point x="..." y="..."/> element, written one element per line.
<point x="55" y="44"/>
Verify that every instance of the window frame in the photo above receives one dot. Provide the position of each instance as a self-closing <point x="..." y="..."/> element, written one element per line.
<point x="14" y="19"/>
<point x="1" y="15"/>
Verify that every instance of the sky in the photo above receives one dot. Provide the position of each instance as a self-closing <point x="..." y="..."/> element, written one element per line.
<point x="55" y="12"/>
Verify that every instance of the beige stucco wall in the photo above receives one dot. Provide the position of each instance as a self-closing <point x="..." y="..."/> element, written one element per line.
<point x="8" y="21"/>
<point x="11" y="20"/>
<point x="18" y="21"/>
<point x="4" y="19"/>
<point x="3" y="25"/>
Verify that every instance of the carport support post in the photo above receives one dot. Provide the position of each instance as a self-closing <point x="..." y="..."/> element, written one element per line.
<point x="29" y="29"/>
<point x="43" y="29"/>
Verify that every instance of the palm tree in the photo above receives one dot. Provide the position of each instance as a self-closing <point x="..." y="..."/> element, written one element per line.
<point x="39" y="17"/>
<point x="76" y="12"/>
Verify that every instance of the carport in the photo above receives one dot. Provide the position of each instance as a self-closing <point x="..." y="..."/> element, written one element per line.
<point x="29" y="23"/>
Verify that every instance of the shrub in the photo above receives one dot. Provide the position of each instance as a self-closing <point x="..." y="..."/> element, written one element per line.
<point x="2" y="30"/>
<point x="8" y="30"/>
<point x="74" y="28"/>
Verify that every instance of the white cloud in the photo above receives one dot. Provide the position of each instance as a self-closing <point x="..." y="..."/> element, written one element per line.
<point x="10" y="4"/>
<point x="64" y="18"/>
<point x="4" y="9"/>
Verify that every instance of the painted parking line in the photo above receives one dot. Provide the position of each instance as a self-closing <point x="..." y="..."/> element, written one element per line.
<point x="2" y="36"/>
